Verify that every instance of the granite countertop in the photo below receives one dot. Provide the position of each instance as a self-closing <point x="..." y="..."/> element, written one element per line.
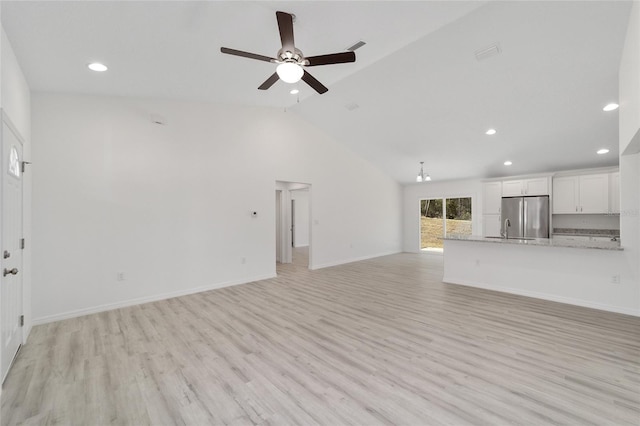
<point x="543" y="242"/>
<point x="587" y="232"/>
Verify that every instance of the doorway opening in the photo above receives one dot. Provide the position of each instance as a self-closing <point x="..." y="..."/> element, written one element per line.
<point x="293" y="223"/>
<point x="443" y="216"/>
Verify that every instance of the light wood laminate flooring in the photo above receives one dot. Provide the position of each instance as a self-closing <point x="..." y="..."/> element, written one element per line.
<point x="381" y="341"/>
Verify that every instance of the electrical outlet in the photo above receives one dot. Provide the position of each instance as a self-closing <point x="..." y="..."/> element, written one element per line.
<point x="615" y="279"/>
<point x="477" y="262"/>
<point x="120" y="276"/>
<point x="243" y="260"/>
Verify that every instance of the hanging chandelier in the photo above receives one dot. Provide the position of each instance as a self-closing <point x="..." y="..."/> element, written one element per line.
<point x="421" y="176"/>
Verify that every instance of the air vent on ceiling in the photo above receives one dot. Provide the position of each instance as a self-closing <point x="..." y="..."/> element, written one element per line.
<point x="351" y="106"/>
<point x="488" y="52"/>
<point x="356" y="46"/>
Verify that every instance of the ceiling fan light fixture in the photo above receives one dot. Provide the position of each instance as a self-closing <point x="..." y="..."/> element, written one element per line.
<point x="290" y="72"/>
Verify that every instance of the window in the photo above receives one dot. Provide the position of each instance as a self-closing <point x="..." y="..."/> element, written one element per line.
<point x="443" y="216"/>
<point x="14" y="162"/>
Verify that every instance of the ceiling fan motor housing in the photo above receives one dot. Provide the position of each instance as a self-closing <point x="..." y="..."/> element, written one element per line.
<point x="288" y="56"/>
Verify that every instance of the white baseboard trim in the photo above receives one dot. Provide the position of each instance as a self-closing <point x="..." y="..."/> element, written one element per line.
<point x="354" y="259"/>
<point x="545" y="296"/>
<point x="141" y="300"/>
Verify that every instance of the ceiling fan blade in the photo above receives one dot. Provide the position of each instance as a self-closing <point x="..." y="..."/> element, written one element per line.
<point x="333" y="58"/>
<point x="285" y="25"/>
<point x="246" y="54"/>
<point x="269" y="82"/>
<point x="311" y="81"/>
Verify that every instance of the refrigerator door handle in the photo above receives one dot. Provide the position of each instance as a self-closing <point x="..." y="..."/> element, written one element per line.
<point x="524" y="219"/>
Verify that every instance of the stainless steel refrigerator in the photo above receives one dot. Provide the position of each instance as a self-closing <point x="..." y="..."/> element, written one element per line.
<point x="527" y="217"/>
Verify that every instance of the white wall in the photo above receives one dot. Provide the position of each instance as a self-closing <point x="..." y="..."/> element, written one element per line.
<point x="449" y="189"/>
<point x="169" y="206"/>
<point x="301" y="218"/>
<point x="570" y="275"/>
<point x="629" y="99"/>
<point x="15" y="101"/>
<point x="586" y="221"/>
<point x="629" y="86"/>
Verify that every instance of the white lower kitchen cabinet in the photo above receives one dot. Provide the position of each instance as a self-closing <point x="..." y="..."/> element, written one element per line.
<point x="491" y="225"/>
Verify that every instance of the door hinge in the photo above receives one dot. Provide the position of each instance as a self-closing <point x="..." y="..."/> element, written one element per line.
<point x="23" y="165"/>
<point x="21" y="243"/>
<point x="21" y="320"/>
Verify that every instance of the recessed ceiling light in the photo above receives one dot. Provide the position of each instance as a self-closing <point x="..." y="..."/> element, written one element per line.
<point x="603" y="151"/>
<point x="508" y="163"/>
<point x="490" y="132"/>
<point x="611" y="107"/>
<point x="97" y="66"/>
<point x="294" y="91"/>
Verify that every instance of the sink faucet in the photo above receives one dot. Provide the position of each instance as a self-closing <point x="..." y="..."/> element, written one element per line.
<point x="505" y="233"/>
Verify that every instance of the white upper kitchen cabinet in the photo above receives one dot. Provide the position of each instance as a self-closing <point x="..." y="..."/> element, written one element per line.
<point x="491" y="197"/>
<point x="594" y="193"/>
<point x="565" y="195"/>
<point x="614" y="193"/>
<point x="586" y="194"/>
<point x="535" y="186"/>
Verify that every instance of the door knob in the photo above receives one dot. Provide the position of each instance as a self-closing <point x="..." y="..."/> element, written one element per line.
<point x="13" y="271"/>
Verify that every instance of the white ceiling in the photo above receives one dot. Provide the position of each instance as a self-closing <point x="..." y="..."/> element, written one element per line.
<point x="421" y="93"/>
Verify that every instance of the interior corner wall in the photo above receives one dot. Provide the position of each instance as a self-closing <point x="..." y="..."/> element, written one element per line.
<point x="128" y="211"/>
<point x="449" y="189"/>
<point x="15" y="101"/>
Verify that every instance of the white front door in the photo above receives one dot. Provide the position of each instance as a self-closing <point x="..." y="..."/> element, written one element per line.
<point x="11" y="284"/>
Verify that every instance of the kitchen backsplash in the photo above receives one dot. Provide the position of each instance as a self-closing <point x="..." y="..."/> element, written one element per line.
<point x="586" y="221"/>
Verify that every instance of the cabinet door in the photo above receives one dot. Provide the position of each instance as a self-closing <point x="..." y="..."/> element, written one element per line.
<point x="565" y="195"/>
<point x="539" y="186"/>
<point x="491" y="225"/>
<point x="491" y="197"/>
<point x="512" y="188"/>
<point x="614" y="193"/>
<point x="594" y="193"/>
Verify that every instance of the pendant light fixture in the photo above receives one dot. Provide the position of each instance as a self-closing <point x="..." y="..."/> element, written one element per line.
<point x="421" y="176"/>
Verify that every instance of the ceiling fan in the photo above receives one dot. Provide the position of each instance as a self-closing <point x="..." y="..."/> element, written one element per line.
<point x="291" y="61"/>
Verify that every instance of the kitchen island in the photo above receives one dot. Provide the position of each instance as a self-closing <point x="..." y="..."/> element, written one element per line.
<point x="582" y="273"/>
<point x="543" y="242"/>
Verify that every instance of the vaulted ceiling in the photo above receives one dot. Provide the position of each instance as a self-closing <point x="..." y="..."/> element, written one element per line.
<point x="416" y="92"/>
